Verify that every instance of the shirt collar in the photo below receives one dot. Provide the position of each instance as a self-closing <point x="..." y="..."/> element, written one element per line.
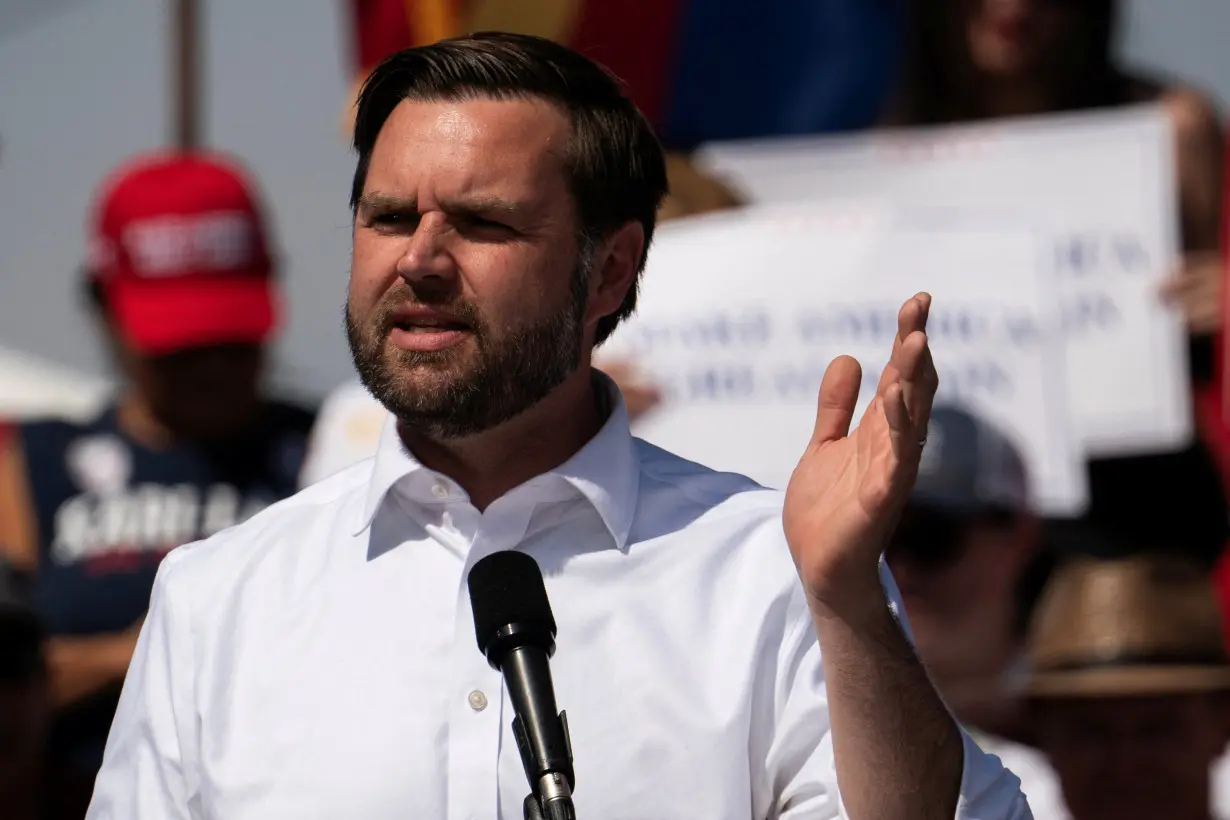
<point x="606" y="471"/>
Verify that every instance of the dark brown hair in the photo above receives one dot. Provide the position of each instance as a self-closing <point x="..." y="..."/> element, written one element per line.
<point x="937" y="71"/>
<point x="617" y="172"/>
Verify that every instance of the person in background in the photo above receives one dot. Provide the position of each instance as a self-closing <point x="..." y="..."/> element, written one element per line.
<point x="347" y="430"/>
<point x="987" y="59"/>
<point x="182" y="281"/>
<point x="1136" y="502"/>
<point x="24" y="706"/>
<point x="1129" y="693"/>
<point x="970" y="60"/>
<point x="967" y="557"/>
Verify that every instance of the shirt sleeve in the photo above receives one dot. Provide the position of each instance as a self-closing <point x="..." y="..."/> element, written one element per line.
<point x="148" y="765"/>
<point x="801" y="767"/>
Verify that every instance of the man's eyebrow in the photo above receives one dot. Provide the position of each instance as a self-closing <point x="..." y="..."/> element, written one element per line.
<point x="386" y="203"/>
<point x="490" y="205"/>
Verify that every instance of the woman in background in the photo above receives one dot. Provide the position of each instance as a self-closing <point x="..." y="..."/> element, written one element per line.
<point x="968" y="60"/>
<point x="976" y="60"/>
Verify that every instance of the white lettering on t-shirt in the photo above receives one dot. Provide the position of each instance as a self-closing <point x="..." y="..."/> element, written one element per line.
<point x="147" y="518"/>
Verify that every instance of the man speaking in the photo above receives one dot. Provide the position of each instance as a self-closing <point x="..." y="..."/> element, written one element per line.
<point x="722" y="651"/>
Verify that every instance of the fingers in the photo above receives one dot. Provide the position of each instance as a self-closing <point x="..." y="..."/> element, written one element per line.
<point x="930" y="385"/>
<point x="919" y="379"/>
<point x="911" y="366"/>
<point x="912" y="317"/>
<point x="902" y="431"/>
<point x="838" y="396"/>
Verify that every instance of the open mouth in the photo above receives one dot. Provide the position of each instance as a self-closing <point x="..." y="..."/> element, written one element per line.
<point x="418" y="328"/>
<point x="418" y="318"/>
<point x="429" y="325"/>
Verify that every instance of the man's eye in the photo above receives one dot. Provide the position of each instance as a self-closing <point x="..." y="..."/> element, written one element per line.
<point x="486" y="225"/>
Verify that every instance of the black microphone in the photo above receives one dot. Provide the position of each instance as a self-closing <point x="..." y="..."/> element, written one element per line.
<point x="515" y="630"/>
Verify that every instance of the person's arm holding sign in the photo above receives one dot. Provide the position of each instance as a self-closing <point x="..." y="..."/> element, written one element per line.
<point x="899" y="754"/>
<point x="1199" y="145"/>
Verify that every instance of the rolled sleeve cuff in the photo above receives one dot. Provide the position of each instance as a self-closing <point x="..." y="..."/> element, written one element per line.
<point x="988" y="790"/>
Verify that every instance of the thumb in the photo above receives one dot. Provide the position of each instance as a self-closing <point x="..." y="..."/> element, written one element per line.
<point x="838" y="396"/>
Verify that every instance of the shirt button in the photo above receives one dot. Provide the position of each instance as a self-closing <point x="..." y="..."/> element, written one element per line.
<point x="478" y="701"/>
<point x="439" y="490"/>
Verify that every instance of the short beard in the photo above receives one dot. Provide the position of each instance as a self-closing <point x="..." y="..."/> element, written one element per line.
<point x="510" y="375"/>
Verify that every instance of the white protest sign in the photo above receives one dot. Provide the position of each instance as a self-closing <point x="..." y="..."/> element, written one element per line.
<point x="1104" y="182"/>
<point x="740" y="313"/>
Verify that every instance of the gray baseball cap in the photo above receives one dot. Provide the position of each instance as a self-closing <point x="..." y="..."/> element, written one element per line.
<point x="969" y="466"/>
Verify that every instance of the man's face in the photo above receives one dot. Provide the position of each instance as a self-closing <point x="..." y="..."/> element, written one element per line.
<point x="1127" y="758"/>
<point x="957" y="575"/>
<point x="467" y="299"/>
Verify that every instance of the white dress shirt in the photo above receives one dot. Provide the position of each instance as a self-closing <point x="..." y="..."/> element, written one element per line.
<point x="319" y="661"/>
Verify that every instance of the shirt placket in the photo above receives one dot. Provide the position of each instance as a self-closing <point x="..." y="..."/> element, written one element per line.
<point x="477" y="692"/>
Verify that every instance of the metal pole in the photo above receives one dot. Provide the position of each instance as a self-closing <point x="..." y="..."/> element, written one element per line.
<point x="186" y="88"/>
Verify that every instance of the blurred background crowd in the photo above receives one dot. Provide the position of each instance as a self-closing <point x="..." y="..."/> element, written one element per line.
<point x="173" y="261"/>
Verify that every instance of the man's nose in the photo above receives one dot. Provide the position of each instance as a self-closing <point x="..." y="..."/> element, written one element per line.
<point x="426" y="259"/>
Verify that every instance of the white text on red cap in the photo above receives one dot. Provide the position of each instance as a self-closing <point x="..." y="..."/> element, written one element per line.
<point x="171" y="245"/>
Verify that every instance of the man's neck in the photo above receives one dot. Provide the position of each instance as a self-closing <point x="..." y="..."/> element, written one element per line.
<point x="495" y="461"/>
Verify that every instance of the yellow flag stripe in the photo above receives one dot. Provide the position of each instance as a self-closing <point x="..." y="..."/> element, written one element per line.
<point x="431" y="20"/>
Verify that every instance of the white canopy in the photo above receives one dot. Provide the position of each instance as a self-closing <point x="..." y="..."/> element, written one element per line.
<point x="31" y="387"/>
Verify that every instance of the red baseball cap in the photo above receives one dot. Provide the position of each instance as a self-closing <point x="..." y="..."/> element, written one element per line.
<point x="179" y="248"/>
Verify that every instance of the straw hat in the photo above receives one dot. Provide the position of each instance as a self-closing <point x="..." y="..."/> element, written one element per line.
<point x="1141" y="625"/>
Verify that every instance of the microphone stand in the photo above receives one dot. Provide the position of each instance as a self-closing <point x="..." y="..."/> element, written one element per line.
<point x="554" y="788"/>
<point x="530" y="809"/>
<point x="556" y="809"/>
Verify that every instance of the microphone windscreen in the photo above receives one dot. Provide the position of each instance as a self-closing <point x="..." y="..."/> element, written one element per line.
<point x="507" y="588"/>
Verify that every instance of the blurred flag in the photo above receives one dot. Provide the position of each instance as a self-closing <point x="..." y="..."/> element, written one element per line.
<point x="701" y="70"/>
<point x="1214" y="405"/>
<point x="632" y="38"/>
<point x="1222" y="369"/>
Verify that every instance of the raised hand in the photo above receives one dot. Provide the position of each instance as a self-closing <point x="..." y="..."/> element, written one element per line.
<point x="848" y="490"/>
<point x="1196" y="290"/>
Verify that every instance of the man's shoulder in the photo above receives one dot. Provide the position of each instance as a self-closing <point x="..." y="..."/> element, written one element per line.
<point x="297" y="529"/>
<point x="699" y="489"/>
<point x="717" y="518"/>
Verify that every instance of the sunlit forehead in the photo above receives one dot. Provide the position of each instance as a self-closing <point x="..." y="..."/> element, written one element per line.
<point x="501" y="156"/>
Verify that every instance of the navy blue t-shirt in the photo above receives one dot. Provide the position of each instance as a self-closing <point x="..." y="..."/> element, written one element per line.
<point x="108" y="510"/>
